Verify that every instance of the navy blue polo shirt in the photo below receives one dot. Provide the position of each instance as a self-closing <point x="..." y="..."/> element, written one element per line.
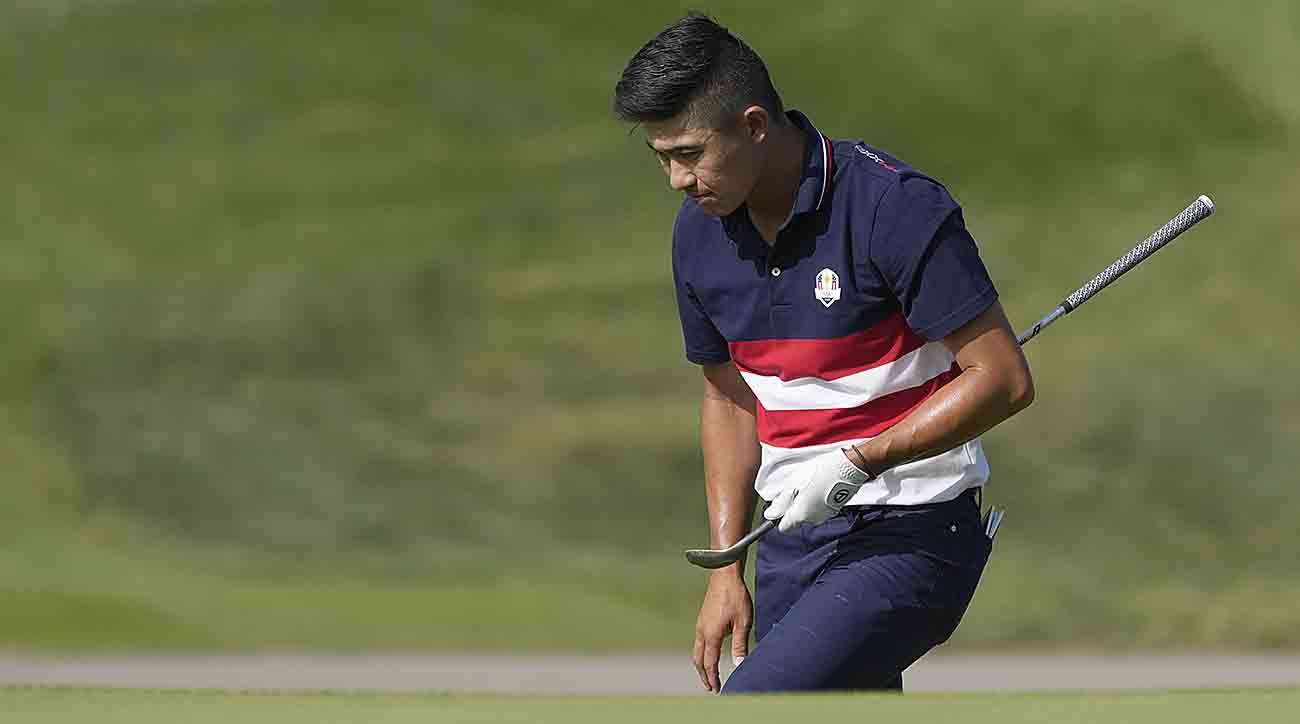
<point x="836" y="326"/>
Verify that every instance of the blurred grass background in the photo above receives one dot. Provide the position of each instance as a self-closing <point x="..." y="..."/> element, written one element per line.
<point x="336" y="324"/>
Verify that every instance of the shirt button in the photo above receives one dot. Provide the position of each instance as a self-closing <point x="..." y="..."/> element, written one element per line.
<point x="776" y="271"/>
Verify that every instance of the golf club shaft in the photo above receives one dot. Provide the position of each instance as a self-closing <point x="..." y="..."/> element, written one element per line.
<point x="1198" y="210"/>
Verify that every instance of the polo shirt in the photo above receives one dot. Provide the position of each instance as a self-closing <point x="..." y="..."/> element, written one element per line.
<point x="837" y="327"/>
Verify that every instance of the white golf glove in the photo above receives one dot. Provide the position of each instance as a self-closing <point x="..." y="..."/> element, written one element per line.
<point x="833" y="481"/>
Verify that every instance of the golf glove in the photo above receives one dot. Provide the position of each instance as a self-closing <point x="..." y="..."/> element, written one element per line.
<point x="833" y="481"/>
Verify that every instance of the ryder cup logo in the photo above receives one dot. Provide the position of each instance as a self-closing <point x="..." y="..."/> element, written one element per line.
<point x="828" y="287"/>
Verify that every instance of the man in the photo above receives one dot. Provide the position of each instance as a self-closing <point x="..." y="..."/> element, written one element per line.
<point x="853" y="349"/>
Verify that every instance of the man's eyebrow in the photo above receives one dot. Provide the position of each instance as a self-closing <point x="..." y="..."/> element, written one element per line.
<point x="675" y="149"/>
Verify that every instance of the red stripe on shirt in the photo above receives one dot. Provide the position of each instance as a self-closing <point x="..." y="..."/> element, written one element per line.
<point x="828" y="359"/>
<point x="804" y="428"/>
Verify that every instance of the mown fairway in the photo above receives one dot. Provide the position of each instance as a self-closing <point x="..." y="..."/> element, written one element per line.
<point x="350" y="324"/>
<point x="51" y="706"/>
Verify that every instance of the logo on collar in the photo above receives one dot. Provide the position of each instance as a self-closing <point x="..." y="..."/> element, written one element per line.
<point x="828" y="287"/>
<point x="867" y="152"/>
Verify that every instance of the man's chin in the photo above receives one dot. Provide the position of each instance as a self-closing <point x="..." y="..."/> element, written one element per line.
<point x="711" y="205"/>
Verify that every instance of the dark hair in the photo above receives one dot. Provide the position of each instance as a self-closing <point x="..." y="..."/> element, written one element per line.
<point x="694" y="64"/>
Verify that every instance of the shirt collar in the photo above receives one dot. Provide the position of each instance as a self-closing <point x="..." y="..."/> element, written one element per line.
<point x="818" y="172"/>
<point x="818" y="167"/>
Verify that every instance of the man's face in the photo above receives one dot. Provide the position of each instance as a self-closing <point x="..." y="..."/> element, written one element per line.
<point x="717" y="167"/>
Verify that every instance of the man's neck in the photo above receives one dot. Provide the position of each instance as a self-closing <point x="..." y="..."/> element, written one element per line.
<point x="772" y="199"/>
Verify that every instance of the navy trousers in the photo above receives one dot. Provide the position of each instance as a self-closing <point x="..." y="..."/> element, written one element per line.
<point x="851" y="603"/>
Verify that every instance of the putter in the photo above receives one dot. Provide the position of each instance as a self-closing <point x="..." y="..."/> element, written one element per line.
<point x="1199" y="209"/>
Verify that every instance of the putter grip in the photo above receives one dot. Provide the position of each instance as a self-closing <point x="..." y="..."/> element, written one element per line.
<point x="1200" y="208"/>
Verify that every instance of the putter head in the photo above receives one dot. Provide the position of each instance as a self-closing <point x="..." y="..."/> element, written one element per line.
<point x="705" y="558"/>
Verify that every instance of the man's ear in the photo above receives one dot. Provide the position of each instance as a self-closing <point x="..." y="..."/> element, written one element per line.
<point x="757" y="123"/>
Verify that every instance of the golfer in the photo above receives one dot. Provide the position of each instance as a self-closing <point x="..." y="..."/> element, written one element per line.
<point x="853" y="349"/>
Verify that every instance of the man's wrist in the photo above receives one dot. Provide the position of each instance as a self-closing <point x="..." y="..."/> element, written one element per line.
<point x="734" y="571"/>
<point x="859" y="460"/>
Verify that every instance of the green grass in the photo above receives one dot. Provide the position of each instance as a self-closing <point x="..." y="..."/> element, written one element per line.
<point x="332" y="327"/>
<point x="42" y="705"/>
<point x="73" y="596"/>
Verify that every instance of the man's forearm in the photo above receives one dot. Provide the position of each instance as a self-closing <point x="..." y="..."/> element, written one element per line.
<point x="729" y="442"/>
<point x="963" y="410"/>
<point x="994" y="384"/>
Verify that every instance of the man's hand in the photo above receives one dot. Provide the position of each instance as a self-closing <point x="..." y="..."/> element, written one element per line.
<point x="833" y="481"/>
<point x="727" y="611"/>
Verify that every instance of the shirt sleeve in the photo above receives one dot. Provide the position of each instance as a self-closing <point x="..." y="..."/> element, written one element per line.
<point x="922" y="249"/>
<point x="704" y="344"/>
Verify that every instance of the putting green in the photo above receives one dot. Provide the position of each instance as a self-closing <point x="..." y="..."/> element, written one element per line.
<point x="42" y="705"/>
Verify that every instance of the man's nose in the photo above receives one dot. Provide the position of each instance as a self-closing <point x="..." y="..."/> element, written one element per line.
<point x="680" y="178"/>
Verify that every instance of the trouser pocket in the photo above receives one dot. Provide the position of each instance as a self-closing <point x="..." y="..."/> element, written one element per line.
<point x="964" y="551"/>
